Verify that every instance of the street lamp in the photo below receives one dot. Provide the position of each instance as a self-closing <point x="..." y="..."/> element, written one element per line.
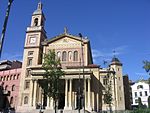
<point x="82" y="54"/>
<point x="5" y="25"/>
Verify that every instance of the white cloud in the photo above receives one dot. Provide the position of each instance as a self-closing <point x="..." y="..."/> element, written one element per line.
<point x="12" y="56"/>
<point x="142" y="74"/>
<point x="119" y="50"/>
<point x="106" y="54"/>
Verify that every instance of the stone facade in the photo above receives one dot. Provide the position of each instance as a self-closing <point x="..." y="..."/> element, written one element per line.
<point x="80" y="72"/>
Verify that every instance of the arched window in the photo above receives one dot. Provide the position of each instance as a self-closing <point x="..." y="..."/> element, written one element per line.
<point x="36" y="22"/>
<point x="11" y="100"/>
<point x="13" y="88"/>
<point x="25" y="100"/>
<point x="64" y="56"/>
<point x="14" y="77"/>
<point x="7" y="78"/>
<point x="6" y="87"/>
<point x="75" y="56"/>
<point x="11" y="77"/>
<point x="18" y="76"/>
<point x="70" y="55"/>
<point x="58" y="54"/>
<point x="105" y="80"/>
<point x="4" y="78"/>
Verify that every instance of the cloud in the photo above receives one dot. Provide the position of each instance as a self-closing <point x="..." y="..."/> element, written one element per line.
<point x="99" y="56"/>
<point x="120" y="50"/>
<point x="97" y="53"/>
<point x="142" y="74"/>
<point x="106" y="54"/>
<point x="12" y="56"/>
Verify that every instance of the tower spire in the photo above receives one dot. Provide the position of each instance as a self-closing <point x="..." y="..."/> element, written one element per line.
<point x="39" y="5"/>
<point x="39" y="8"/>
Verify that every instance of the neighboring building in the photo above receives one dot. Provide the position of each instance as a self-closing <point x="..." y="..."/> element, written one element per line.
<point x="9" y="83"/>
<point x="140" y="90"/>
<point x="130" y="91"/>
<point x="74" y="53"/>
<point x="127" y="92"/>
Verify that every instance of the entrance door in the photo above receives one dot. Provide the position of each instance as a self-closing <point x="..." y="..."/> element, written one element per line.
<point x="61" y="101"/>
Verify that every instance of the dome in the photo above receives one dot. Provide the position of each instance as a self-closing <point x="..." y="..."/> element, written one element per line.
<point x="115" y="59"/>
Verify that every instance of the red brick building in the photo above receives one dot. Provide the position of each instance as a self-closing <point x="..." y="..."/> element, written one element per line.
<point x="10" y="72"/>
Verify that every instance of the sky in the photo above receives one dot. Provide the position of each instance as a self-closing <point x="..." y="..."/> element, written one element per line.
<point x="111" y="25"/>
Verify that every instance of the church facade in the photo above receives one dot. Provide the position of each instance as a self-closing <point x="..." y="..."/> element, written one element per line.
<point x="80" y="72"/>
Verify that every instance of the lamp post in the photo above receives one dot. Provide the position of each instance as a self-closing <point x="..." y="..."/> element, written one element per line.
<point x="5" y="25"/>
<point x="82" y="54"/>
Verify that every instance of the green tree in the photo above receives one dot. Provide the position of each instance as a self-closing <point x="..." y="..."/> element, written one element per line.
<point x="52" y="76"/>
<point x="146" y="66"/>
<point x="108" y="92"/>
<point x="140" y="103"/>
<point x="148" y="101"/>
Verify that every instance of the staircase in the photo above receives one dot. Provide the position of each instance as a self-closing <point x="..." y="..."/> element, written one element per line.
<point x="53" y="111"/>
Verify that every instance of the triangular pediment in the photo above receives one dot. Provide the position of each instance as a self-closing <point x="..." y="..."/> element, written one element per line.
<point x="65" y="39"/>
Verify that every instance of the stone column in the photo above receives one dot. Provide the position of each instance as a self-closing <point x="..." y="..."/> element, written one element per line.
<point x="34" y="93"/>
<point x="40" y="95"/>
<point x="89" y="94"/>
<point x="48" y="103"/>
<point x="31" y="94"/>
<point x="51" y="103"/>
<point x="85" y="102"/>
<point x="97" y="102"/>
<point x="66" y="93"/>
<point x="75" y="100"/>
<point x="70" y="92"/>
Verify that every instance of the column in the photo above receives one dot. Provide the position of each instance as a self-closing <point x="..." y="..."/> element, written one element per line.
<point x="89" y="94"/>
<point x="40" y="95"/>
<point x="70" y="92"/>
<point x="47" y="107"/>
<point x="75" y="100"/>
<point x="66" y="93"/>
<point x="31" y="94"/>
<point x="97" y="102"/>
<point x="51" y="103"/>
<point x="34" y="93"/>
<point x="85" y="102"/>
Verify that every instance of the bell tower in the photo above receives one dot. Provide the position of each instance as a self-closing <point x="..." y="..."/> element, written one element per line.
<point x="118" y="87"/>
<point x="35" y="33"/>
<point x="32" y="56"/>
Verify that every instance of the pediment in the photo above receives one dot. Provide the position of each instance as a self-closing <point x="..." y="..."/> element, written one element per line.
<point x="65" y="39"/>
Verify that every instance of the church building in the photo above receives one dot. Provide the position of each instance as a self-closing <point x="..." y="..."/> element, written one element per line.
<point x="80" y="72"/>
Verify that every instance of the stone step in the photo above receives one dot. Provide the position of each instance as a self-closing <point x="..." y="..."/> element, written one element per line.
<point x="53" y="111"/>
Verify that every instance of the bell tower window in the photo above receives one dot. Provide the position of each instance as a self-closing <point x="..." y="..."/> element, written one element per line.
<point x="36" y="22"/>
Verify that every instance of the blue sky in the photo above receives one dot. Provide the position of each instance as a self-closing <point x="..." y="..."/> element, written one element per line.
<point x="120" y="25"/>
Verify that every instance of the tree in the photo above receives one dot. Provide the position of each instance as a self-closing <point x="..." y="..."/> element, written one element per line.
<point x="108" y="92"/>
<point x="148" y="101"/>
<point x="146" y="66"/>
<point x="52" y="76"/>
<point x="140" y="103"/>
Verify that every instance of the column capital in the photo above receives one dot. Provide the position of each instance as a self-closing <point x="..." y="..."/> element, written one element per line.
<point x="34" y="80"/>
